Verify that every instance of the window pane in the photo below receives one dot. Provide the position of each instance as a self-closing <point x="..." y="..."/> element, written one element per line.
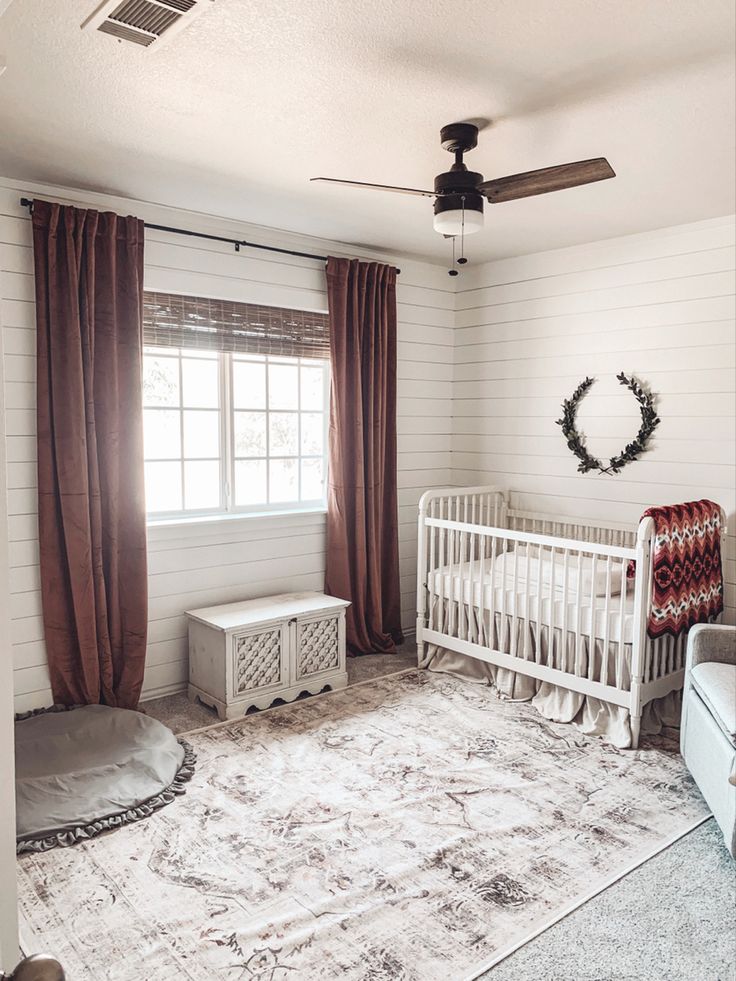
<point x="312" y="489"/>
<point x="160" y="381"/>
<point x="284" y="433"/>
<point x="284" y="483"/>
<point x="202" y="485"/>
<point x="250" y="482"/>
<point x="201" y="383"/>
<point x="201" y="433"/>
<point x="313" y="433"/>
<point x="283" y="386"/>
<point x="249" y="385"/>
<point x="250" y="433"/>
<point x="163" y="487"/>
<point x="161" y="436"/>
<point x="312" y="388"/>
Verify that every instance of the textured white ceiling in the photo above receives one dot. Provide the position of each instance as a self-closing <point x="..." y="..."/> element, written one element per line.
<point x="236" y="113"/>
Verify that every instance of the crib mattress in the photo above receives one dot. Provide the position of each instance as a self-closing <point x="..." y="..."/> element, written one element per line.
<point x="523" y="603"/>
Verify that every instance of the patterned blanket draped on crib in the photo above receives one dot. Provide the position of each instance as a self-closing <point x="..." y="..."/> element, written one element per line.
<point x="687" y="582"/>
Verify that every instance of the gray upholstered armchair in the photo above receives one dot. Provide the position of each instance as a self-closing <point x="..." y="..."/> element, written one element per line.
<point x="708" y="733"/>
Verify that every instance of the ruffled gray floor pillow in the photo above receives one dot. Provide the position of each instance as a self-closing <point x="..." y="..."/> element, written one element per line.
<point x="86" y="770"/>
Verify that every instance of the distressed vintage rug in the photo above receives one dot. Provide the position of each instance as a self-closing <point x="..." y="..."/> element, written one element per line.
<point x="411" y="828"/>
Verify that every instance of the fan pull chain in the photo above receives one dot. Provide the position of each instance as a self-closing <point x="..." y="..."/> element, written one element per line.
<point x="453" y="271"/>
<point x="462" y="260"/>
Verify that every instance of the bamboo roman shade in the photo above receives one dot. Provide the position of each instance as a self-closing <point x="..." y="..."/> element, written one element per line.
<point x="170" y="320"/>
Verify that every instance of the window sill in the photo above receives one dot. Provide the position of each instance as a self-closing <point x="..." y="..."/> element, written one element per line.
<point x="160" y="529"/>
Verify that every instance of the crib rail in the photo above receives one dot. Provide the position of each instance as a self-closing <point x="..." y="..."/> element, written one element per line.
<point x="599" y="533"/>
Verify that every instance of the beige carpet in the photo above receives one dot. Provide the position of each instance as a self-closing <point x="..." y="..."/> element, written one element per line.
<point x="411" y="828"/>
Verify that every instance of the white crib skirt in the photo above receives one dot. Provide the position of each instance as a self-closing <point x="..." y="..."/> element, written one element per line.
<point x="591" y="715"/>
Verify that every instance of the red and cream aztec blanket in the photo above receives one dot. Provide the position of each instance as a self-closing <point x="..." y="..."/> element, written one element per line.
<point x="687" y="586"/>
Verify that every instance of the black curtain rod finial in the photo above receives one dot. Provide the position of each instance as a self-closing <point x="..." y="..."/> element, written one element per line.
<point x="238" y="243"/>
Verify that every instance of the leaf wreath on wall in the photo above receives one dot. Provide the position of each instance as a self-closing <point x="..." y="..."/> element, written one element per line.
<point x="576" y="440"/>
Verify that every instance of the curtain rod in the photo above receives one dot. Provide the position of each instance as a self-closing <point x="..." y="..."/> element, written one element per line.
<point x="238" y="243"/>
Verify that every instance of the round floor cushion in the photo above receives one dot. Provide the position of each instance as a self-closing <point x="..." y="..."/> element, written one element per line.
<point x="86" y="770"/>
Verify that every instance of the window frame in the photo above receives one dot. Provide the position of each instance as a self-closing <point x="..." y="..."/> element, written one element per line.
<point x="227" y="457"/>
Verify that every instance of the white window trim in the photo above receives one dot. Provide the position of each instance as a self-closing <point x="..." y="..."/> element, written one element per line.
<point x="167" y="528"/>
<point x="228" y="511"/>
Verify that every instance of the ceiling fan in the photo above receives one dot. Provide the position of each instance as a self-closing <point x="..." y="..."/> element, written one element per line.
<point x="458" y="193"/>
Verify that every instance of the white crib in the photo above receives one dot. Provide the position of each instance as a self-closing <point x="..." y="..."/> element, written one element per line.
<point x="546" y="597"/>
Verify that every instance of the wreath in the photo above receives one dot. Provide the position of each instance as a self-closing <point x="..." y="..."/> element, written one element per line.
<point x="576" y="441"/>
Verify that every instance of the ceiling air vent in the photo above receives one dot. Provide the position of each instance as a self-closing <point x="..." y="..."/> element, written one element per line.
<point x="145" y="22"/>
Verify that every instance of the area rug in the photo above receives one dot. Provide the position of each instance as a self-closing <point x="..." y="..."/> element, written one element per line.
<point x="409" y="829"/>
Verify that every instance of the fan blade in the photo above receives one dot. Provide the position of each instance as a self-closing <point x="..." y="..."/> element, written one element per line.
<point x="377" y="187"/>
<point x="545" y="180"/>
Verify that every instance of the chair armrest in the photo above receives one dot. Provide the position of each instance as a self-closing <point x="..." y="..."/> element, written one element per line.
<point x="711" y="642"/>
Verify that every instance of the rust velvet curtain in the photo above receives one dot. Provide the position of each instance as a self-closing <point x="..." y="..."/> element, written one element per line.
<point x="92" y="521"/>
<point x="362" y="519"/>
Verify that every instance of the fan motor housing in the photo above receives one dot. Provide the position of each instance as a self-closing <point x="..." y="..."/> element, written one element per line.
<point x="457" y="182"/>
<point x="457" y="189"/>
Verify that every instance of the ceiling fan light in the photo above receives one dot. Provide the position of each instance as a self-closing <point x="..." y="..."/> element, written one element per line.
<point x="457" y="213"/>
<point x="451" y="222"/>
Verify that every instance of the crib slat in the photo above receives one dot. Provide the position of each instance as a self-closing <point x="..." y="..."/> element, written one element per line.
<point x="451" y="579"/>
<point x="502" y="612"/>
<point x="538" y="645"/>
<point x="432" y="565"/>
<point x="552" y="610"/>
<point x="472" y="538"/>
<point x="482" y="639"/>
<point x="492" y="608"/>
<point x="527" y="592"/>
<point x="606" y="623"/>
<point x="443" y="615"/>
<point x="563" y="652"/>
<point x="514" y="624"/>
<point x="621" y="626"/>
<point x="462" y="612"/>
<point x="592" y="625"/>
<point x="457" y="578"/>
<point x="579" y="601"/>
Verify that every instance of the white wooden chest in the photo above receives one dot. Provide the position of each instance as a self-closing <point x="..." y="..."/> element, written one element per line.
<point x="250" y="653"/>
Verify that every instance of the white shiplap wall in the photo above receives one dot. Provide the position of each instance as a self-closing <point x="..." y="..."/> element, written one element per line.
<point x="529" y="329"/>
<point x="201" y="564"/>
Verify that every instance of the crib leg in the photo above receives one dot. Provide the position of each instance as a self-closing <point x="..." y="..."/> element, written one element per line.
<point x="635" y="711"/>
<point x="635" y="731"/>
<point x="420" y="642"/>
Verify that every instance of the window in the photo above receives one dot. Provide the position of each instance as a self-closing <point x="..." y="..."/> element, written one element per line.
<point x="232" y="431"/>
